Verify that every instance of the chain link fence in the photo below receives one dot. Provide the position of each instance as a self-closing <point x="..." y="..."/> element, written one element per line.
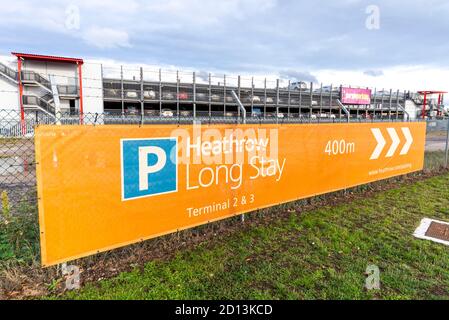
<point x="17" y="153"/>
<point x="437" y="144"/>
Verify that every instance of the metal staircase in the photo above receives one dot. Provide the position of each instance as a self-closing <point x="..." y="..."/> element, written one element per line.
<point x="45" y="102"/>
<point x="31" y="77"/>
<point x="8" y="74"/>
<point x="28" y="77"/>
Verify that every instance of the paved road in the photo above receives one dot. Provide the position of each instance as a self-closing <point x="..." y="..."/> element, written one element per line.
<point x="436" y="144"/>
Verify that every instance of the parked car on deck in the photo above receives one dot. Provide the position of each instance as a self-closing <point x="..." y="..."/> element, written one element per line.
<point x="166" y="113"/>
<point x="149" y="94"/>
<point x="298" y="85"/>
<point x="201" y="96"/>
<point x="183" y="96"/>
<point x="168" y="96"/>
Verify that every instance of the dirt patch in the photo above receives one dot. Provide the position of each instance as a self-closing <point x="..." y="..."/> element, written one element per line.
<point x="438" y="231"/>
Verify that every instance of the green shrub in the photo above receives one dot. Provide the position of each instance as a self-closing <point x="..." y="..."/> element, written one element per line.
<point x="19" y="233"/>
<point x="6" y="209"/>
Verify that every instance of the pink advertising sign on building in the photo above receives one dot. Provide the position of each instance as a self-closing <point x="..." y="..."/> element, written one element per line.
<point x="355" y="96"/>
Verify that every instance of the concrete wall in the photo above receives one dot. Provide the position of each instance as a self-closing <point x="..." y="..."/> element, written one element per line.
<point x="64" y="105"/>
<point x="64" y="73"/>
<point x="9" y="95"/>
<point x="67" y="74"/>
<point x="9" y="92"/>
<point x="92" y="88"/>
<point x="411" y="109"/>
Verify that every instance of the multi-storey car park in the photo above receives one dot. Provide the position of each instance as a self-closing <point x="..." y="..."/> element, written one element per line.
<point x="51" y="85"/>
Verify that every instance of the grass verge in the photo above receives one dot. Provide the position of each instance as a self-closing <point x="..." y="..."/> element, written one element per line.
<point x="319" y="254"/>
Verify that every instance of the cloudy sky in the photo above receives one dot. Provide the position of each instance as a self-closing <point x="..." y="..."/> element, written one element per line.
<point x="385" y="43"/>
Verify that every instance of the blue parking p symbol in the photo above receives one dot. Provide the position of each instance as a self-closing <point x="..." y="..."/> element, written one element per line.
<point x="149" y="167"/>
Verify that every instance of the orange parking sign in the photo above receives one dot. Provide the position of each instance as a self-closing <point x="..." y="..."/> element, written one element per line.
<point x="102" y="187"/>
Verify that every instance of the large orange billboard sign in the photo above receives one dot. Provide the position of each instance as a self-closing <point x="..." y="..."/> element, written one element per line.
<point x="102" y="187"/>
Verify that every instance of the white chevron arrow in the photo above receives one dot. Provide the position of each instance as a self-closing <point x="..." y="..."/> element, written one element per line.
<point x="394" y="136"/>
<point x="380" y="143"/>
<point x="409" y="141"/>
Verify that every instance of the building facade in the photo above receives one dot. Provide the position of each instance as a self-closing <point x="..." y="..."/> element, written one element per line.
<point x="71" y="86"/>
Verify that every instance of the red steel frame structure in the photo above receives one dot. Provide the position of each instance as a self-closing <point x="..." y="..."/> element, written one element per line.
<point x="28" y="56"/>
<point x="427" y="93"/>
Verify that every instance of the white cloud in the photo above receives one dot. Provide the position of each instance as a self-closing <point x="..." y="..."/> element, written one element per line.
<point x="373" y="73"/>
<point x="116" y="6"/>
<point x="199" y="12"/>
<point x="411" y="78"/>
<point x="261" y="37"/>
<point x="106" y="38"/>
<point x="22" y="13"/>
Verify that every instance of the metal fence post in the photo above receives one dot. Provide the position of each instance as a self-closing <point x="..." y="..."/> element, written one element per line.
<point x="289" y="99"/>
<point x="244" y="122"/>
<point x="142" y="102"/>
<point x="382" y="104"/>
<point x="238" y="93"/>
<point x="311" y="102"/>
<point x="277" y="100"/>
<point x="224" y="95"/>
<point x="397" y="107"/>
<point x="210" y="96"/>
<point x="160" y="92"/>
<point x="339" y="99"/>
<point x="122" y="89"/>
<point x="194" y="95"/>
<point x="321" y="99"/>
<point x="265" y="98"/>
<point x="447" y="143"/>
<point x="177" y="94"/>
<point x="252" y="95"/>
<point x="390" y="104"/>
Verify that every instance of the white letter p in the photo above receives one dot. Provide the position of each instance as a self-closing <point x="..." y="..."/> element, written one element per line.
<point x="145" y="169"/>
